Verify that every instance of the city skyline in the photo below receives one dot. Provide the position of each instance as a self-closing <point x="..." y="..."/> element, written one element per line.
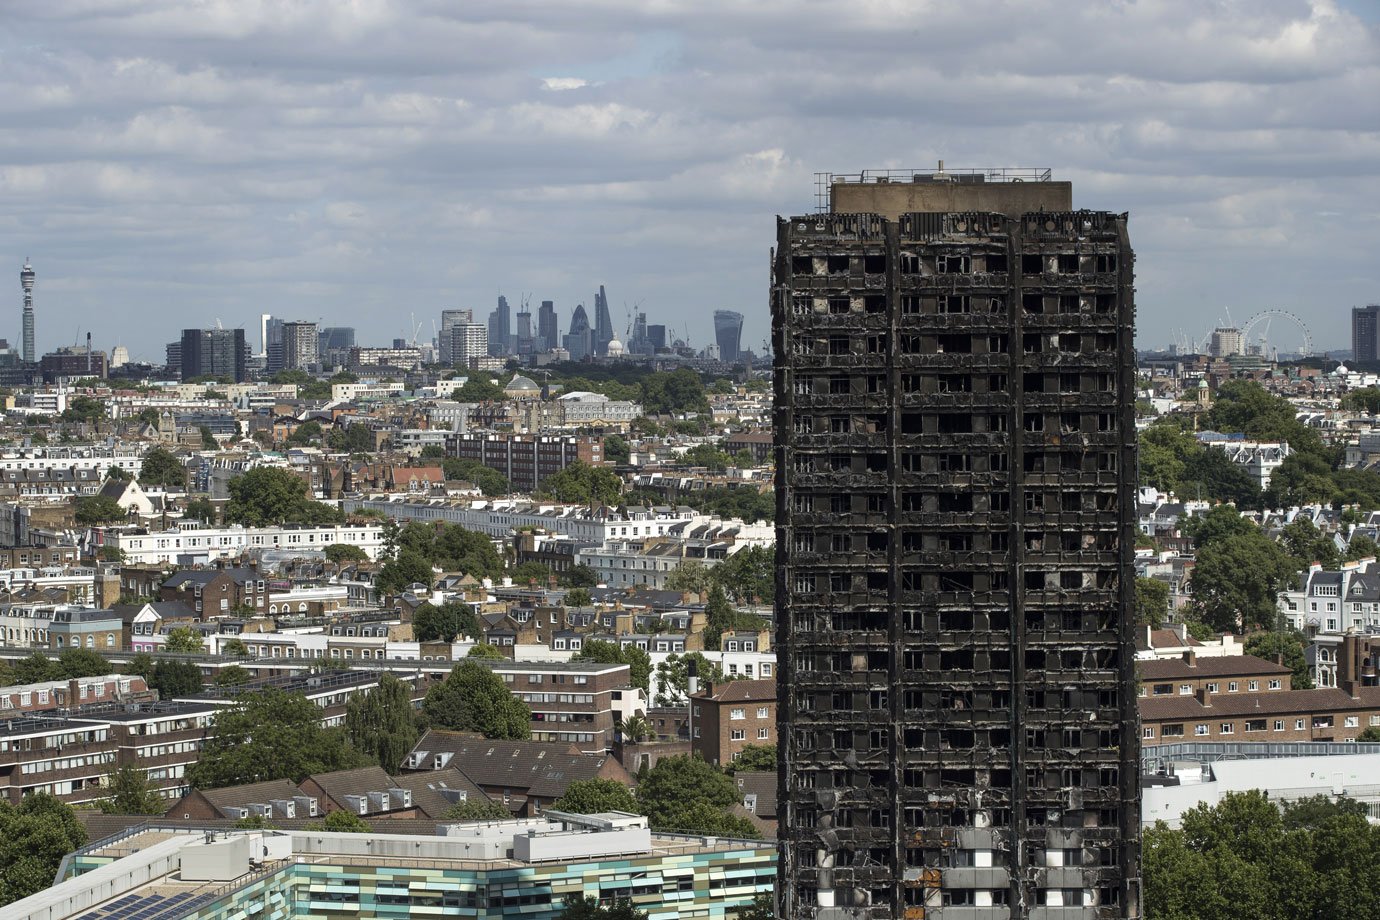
<point x="358" y="164"/>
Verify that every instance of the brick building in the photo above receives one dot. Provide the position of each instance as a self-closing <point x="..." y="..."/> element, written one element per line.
<point x="1189" y="674"/>
<point x="1324" y="714"/>
<point x="725" y="718"/>
<point x="23" y="557"/>
<point x="217" y="592"/>
<point x="526" y="460"/>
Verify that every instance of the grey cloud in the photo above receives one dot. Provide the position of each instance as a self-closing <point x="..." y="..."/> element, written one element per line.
<point x="171" y="162"/>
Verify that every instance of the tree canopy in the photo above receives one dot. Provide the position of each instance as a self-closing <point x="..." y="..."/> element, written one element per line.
<point x="269" y="495"/>
<point x="478" y="388"/>
<point x="672" y="676"/>
<point x="675" y="393"/>
<point x="34" y="837"/>
<point x="473" y="698"/>
<point x="162" y="468"/>
<point x="1287" y="645"/>
<point x="270" y="734"/>
<point x="581" y="483"/>
<point x="591" y="796"/>
<point x="490" y="481"/>
<point x="184" y="640"/>
<point x="93" y="510"/>
<point x="340" y="553"/>
<point x="1245" y="859"/>
<point x="687" y="795"/>
<point x="1152" y="602"/>
<point x="445" y="623"/>
<point x="131" y="794"/>
<point x="605" y="652"/>
<point x="476" y="808"/>
<point x="381" y="723"/>
<point x="1236" y="580"/>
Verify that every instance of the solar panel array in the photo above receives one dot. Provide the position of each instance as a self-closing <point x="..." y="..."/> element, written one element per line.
<point x="149" y="907"/>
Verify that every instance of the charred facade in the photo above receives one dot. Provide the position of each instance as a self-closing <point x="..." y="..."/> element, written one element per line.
<point x="955" y="461"/>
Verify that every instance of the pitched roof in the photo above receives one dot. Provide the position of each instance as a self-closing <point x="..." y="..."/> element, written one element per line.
<point x="763" y="786"/>
<point x="238" y="796"/>
<point x="362" y="781"/>
<point x="1262" y="704"/>
<point x="428" y="789"/>
<point x="1217" y="666"/>
<point x="738" y="691"/>
<point x="542" y="768"/>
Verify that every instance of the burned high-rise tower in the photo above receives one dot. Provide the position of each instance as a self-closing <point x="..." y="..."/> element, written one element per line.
<point x="955" y="461"/>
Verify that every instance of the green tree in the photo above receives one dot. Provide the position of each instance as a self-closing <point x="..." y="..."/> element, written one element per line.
<point x="1316" y="811"/>
<point x="578" y="597"/>
<point x="1372" y="733"/>
<point x="183" y="640"/>
<point x="691" y="575"/>
<point x="580" y="575"/>
<point x="1302" y="479"/>
<point x="341" y="821"/>
<point x="616" y="449"/>
<point x="707" y="456"/>
<point x="307" y="433"/>
<point x="1152" y="602"/>
<point x="131" y="794"/>
<point x="592" y="796"/>
<point x="382" y="723"/>
<point x="117" y="474"/>
<point x="1210" y="474"/>
<point x="410" y="567"/>
<point x="485" y="650"/>
<point x="578" y="907"/>
<point x="1363" y="400"/>
<point x="753" y="758"/>
<point x="675" y="393"/>
<point x="353" y="439"/>
<point x="93" y="510"/>
<point x="162" y="468"/>
<point x="530" y="572"/>
<point x="686" y="795"/>
<point x="112" y="553"/>
<point x="200" y="509"/>
<point x="605" y="652"/>
<point x="433" y="452"/>
<point x="635" y="729"/>
<point x="84" y="409"/>
<point x="1361" y="546"/>
<point x="580" y="483"/>
<point x="1236" y="581"/>
<point x="269" y="495"/>
<point x="1302" y="540"/>
<point x="37" y="668"/>
<point x="1245" y="406"/>
<point x="1216" y="524"/>
<point x="473" y="698"/>
<point x="270" y="734"/>
<point x="445" y="623"/>
<point x="1288" y="646"/>
<point x="490" y="481"/>
<point x="253" y="823"/>
<point x="34" y="837"/>
<point x="341" y="553"/>
<point x="149" y="416"/>
<point x="748" y="576"/>
<point x="175" y="679"/>
<point x="478" y="808"/>
<point x="477" y="389"/>
<point x="761" y="908"/>
<point x="235" y="647"/>
<point x="672" y="676"/>
<point x="208" y="439"/>
<point x="80" y="662"/>
<point x="233" y="676"/>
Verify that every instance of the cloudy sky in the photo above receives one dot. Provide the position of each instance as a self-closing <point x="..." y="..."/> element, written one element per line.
<point x="168" y="163"/>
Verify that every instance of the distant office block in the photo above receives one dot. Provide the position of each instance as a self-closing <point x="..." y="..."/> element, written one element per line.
<point x="213" y="353"/>
<point x="728" y="332"/>
<point x="1365" y="333"/>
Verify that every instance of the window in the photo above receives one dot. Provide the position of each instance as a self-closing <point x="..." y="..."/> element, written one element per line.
<point x="1214" y="688"/>
<point x="1185" y="689"/>
<point x="1231" y="686"/>
<point x="738" y="713"/>
<point x="763" y="734"/>
<point x="1228" y="728"/>
<point x="1298" y="725"/>
<point x="1200" y="729"/>
<point x="1274" y="684"/>
<point x="1255" y="725"/>
<point x="1148" y="732"/>
<point x="762" y="712"/>
<point x="1253" y="686"/>
<point x="1351" y="722"/>
<point x="1172" y="731"/>
<point x="1279" y="725"/>
<point x="736" y="735"/>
